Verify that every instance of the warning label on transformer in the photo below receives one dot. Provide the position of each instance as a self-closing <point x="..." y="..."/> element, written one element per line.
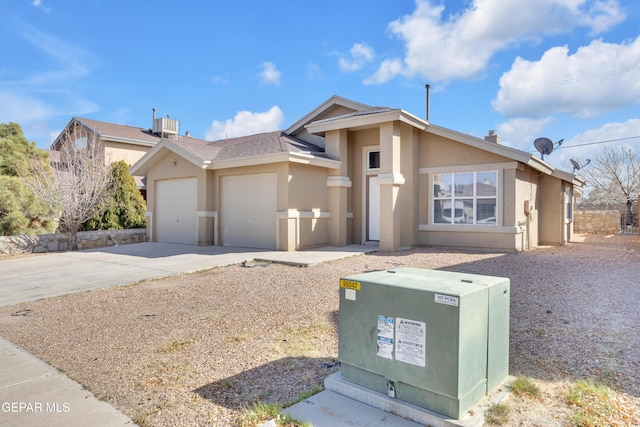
<point x="385" y="336"/>
<point x="410" y="341"/>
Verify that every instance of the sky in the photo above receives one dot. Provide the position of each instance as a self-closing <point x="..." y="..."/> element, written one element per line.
<point x="559" y="69"/>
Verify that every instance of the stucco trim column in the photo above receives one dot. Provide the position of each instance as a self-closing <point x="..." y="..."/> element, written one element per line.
<point x="390" y="180"/>
<point x="149" y="217"/>
<point x="339" y="183"/>
<point x="389" y="218"/>
<point x="338" y="191"/>
<point x="207" y="227"/>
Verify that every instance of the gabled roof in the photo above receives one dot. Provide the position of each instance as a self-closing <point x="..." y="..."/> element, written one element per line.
<point x="112" y="132"/>
<point x="323" y="109"/>
<point x="377" y="115"/>
<point x="251" y="149"/>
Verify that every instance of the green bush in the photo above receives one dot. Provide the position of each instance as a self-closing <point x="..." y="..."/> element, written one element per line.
<point x="126" y="207"/>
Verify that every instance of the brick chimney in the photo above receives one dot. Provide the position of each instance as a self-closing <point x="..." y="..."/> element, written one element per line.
<point x="493" y="137"/>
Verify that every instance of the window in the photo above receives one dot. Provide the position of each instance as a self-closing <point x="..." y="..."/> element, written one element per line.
<point x="568" y="200"/>
<point x="80" y="143"/>
<point x="465" y="198"/>
<point x="373" y="160"/>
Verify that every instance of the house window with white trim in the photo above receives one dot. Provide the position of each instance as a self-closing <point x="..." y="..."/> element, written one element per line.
<point x="465" y="198"/>
<point x="373" y="160"/>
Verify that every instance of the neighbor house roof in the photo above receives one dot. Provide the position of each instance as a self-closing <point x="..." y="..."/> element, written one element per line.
<point x="232" y="152"/>
<point x="113" y="132"/>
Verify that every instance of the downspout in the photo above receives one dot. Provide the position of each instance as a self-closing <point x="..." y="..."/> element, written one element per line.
<point x="527" y="213"/>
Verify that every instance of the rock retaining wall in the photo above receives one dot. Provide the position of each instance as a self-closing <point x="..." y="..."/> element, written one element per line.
<point x="41" y="243"/>
<point x="596" y="222"/>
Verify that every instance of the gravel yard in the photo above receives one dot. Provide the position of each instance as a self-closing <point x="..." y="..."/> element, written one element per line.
<point x="197" y="349"/>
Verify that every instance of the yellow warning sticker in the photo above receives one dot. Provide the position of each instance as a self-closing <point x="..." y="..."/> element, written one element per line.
<point x="349" y="284"/>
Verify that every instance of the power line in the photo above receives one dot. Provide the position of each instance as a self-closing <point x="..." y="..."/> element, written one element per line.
<point x="597" y="142"/>
<point x="593" y="143"/>
<point x="579" y="78"/>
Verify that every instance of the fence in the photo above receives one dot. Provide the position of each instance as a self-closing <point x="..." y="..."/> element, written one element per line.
<point x="596" y="221"/>
<point x="629" y="224"/>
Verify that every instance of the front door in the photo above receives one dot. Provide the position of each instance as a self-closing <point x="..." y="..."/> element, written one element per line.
<point x="373" y="210"/>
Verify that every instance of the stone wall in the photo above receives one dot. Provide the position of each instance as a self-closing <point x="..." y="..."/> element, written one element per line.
<point x="596" y="222"/>
<point x="41" y="243"/>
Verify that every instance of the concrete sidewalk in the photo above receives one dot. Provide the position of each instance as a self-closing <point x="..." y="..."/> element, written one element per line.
<point x="32" y="393"/>
<point x="346" y="404"/>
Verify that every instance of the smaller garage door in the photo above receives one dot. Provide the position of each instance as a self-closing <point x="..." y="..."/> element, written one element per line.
<point x="176" y="205"/>
<point x="249" y="204"/>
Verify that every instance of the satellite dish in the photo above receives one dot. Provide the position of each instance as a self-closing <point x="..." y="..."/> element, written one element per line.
<point x="577" y="166"/>
<point x="546" y="146"/>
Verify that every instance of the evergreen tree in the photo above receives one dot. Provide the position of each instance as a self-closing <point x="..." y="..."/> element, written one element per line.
<point x="20" y="211"/>
<point x="125" y="208"/>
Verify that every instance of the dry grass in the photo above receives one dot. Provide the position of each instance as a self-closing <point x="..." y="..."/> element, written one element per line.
<point x="202" y="349"/>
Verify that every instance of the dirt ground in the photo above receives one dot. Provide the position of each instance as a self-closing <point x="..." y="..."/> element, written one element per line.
<point x="198" y="349"/>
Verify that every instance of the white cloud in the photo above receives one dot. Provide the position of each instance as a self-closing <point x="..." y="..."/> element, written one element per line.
<point x="580" y="84"/>
<point x="72" y="62"/>
<point x="26" y="106"/>
<point x="388" y="70"/>
<point x="520" y="132"/>
<point x="219" y="79"/>
<point x="246" y="123"/>
<point x="460" y="46"/>
<point x="33" y="97"/>
<point x="361" y="53"/>
<point x="589" y="144"/>
<point x="270" y="74"/>
<point x="23" y="108"/>
<point x="314" y="72"/>
<point x="40" y="5"/>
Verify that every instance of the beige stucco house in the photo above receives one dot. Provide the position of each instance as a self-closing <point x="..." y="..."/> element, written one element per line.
<point x="121" y="142"/>
<point x="349" y="173"/>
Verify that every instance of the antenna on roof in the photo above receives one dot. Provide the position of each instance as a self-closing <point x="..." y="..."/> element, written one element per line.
<point x="427" y="87"/>
<point x="577" y="166"/>
<point x="546" y="146"/>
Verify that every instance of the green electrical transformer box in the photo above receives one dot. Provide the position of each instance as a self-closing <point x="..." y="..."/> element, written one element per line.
<point x="436" y="339"/>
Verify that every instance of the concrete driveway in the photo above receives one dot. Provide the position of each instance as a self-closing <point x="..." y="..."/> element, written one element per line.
<point x="55" y="274"/>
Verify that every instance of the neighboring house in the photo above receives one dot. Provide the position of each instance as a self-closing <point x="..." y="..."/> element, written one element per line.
<point x="348" y="173"/>
<point x="121" y="142"/>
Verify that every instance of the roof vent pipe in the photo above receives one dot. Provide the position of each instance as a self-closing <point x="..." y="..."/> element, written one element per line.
<point x="154" y="115"/>
<point x="427" y="87"/>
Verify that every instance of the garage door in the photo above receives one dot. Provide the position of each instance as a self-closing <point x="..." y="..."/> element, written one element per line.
<point x="176" y="205"/>
<point x="248" y="215"/>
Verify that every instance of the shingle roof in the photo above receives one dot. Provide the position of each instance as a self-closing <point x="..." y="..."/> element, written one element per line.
<point x="246" y="146"/>
<point x="112" y="130"/>
<point x="226" y="149"/>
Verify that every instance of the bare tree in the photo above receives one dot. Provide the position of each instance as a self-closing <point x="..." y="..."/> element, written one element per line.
<point x="75" y="183"/>
<point x="614" y="177"/>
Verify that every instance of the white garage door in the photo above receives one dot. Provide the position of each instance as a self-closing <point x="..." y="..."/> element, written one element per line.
<point x="248" y="217"/>
<point x="176" y="205"/>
